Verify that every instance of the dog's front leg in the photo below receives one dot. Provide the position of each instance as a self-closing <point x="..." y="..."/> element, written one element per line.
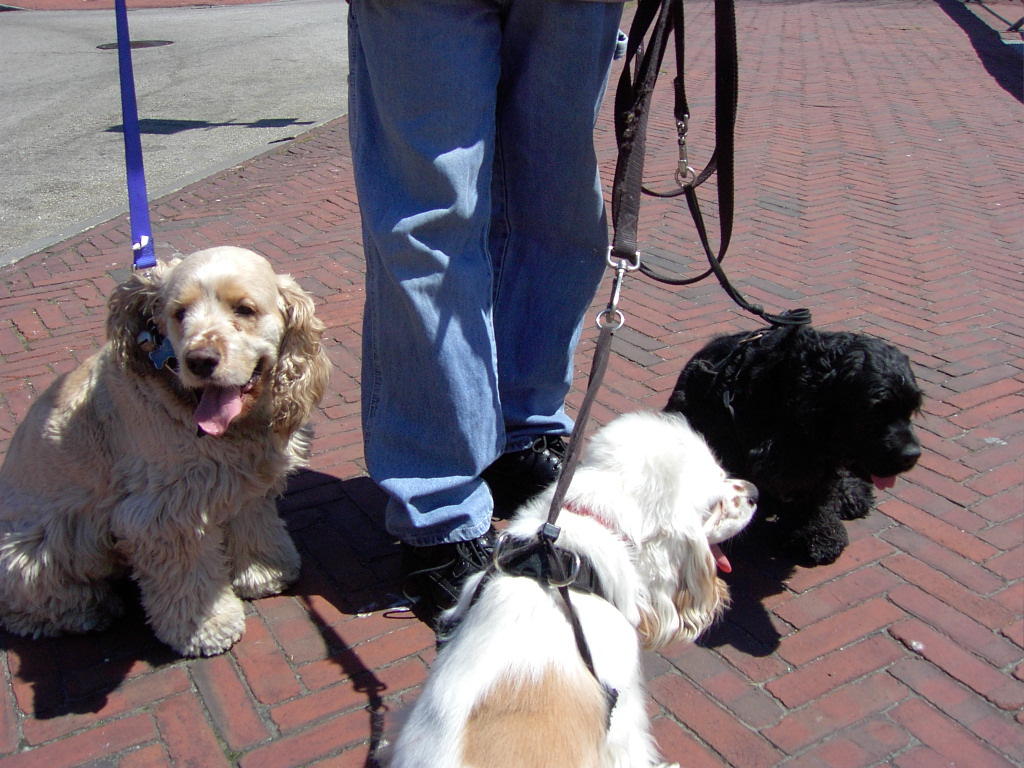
<point x="177" y="559"/>
<point x="262" y="556"/>
<point x="817" y="535"/>
<point x="852" y="497"/>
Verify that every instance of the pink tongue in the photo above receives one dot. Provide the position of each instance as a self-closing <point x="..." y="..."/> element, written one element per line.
<point x="217" y="407"/>
<point x="881" y="483"/>
<point x="720" y="559"/>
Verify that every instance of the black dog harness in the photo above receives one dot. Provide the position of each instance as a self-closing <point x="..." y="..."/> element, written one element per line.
<point x="551" y="567"/>
<point x="725" y="371"/>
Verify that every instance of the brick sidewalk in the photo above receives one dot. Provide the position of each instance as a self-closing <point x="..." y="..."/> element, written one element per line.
<point x="879" y="184"/>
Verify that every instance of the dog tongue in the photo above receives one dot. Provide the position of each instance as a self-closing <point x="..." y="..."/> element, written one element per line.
<point x="217" y="407"/>
<point x="881" y="483"/>
<point x="720" y="559"/>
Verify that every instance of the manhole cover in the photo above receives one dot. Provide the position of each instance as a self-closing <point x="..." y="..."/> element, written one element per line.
<point x="136" y="44"/>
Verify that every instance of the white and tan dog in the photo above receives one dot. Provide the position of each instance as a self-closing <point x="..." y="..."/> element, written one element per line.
<point x="169" y="470"/>
<point x="510" y="690"/>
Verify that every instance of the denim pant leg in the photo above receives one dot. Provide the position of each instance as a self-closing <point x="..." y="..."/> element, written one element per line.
<point x="424" y="95"/>
<point x="423" y="81"/>
<point x="549" y="236"/>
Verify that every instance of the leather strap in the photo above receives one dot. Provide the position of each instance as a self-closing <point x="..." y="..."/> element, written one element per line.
<point x="632" y="101"/>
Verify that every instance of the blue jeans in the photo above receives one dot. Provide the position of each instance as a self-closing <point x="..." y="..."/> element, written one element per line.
<point x="471" y="124"/>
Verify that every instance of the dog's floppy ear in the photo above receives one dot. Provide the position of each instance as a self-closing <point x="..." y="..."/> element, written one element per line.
<point x="685" y="597"/>
<point x="302" y="370"/>
<point x="133" y="308"/>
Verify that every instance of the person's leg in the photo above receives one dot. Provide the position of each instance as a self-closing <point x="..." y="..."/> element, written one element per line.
<point x="423" y="82"/>
<point x="548" y="234"/>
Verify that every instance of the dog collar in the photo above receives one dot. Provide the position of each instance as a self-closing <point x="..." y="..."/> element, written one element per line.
<point x="585" y="511"/>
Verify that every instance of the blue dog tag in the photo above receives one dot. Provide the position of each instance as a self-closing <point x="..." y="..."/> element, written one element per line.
<point x="162" y="354"/>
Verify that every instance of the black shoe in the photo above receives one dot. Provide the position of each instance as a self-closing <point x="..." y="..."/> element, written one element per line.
<point x="521" y="475"/>
<point x="435" y="575"/>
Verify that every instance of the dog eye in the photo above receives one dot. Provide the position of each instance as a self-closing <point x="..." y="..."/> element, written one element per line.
<point x="179" y="314"/>
<point x="244" y="310"/>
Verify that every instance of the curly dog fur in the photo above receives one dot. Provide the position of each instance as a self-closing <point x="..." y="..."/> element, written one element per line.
<point x="812" y="418"/>
<point x="167" y="473"/>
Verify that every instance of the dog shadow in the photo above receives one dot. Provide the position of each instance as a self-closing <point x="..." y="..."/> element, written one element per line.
<point x="759" y="571"/>
<point x="76" y="674"/>
<point x="348" y="560"/>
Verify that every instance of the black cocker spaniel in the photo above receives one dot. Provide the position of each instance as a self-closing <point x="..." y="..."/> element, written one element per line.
<point x="812" y="418"/>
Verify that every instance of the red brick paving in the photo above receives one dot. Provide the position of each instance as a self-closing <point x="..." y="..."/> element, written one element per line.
<point x="879" y="185"/>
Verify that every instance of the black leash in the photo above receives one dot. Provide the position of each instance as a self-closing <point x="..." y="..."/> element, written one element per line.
<point x="632" y="102"/>
<point x="540" y="558"/>
<point x="659" y="20"/>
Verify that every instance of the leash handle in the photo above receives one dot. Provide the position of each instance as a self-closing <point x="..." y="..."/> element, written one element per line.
<point x="143" y="256"/>
<point x="632" y="100"/>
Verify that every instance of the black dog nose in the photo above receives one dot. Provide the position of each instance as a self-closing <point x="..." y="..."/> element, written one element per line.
<point x="202" y="362"/>
<point x="910" y="454"/>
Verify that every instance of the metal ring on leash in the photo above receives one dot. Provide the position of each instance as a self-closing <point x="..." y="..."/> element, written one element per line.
<point x="607" y="312"/>
<point x="574" y="571"/>
<point x="564" y="580"/>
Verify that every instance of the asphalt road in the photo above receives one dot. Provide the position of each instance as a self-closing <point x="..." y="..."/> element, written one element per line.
<point x="233" y="82"/>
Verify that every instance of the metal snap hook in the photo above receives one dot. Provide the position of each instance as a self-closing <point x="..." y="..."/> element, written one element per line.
<point x="627" y="264"/>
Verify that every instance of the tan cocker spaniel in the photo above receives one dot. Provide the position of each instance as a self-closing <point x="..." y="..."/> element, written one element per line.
<point x="162" y="456"/>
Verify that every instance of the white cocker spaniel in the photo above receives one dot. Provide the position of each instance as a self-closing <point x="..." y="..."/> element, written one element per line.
<point x="510" y="689"/>
<point x="163" y="455"/>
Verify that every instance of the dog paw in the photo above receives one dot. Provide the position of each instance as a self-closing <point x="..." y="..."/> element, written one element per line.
<point x="854" y="514"/>
<point x="852" y="498"/>
<point x="818" y="551"/>
<point x="259" y="580"/>
<point x="852" y="508"/>
<point x="216" y="633"/>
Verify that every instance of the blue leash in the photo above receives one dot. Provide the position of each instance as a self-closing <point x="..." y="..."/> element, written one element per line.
<point x="138" y="202"/>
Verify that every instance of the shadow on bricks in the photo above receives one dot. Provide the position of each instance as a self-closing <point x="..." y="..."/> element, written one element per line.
<point x="347" y="556"/>
<point x="364" y="682"/>
<point x="1003" y="62"/>
<point x="759" y="572"/>
<point x="351" y="561"/>
<point x="82" y="674"/>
